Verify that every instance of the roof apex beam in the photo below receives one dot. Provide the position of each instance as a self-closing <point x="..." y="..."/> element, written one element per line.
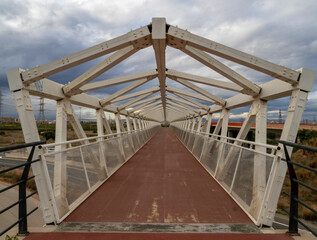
<point x="159" y="45"/>
<point x="150" y="74"/>
<point x="179" y="38"/>
<point x="139" y="38"/>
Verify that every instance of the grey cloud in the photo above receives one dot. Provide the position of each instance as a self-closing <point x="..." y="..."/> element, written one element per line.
<point x="35" y="32"/>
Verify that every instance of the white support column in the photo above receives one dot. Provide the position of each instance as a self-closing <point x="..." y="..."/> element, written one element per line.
<point x="143" y="123"/>
<point x="259" y="171"/>
<point x="128" y="123"/>
<point x="289" y="133"/>
<point x="194" y="123"/>
<point x="199" y="123"/>
<point x="139" y="122"/>
<point x="60" y="168"/>
<point x="223" y="124"/>
<point x="208" y="123"/>
<point x="79" y="131"/>
<point x="105" y="122"/>
<point x="117" y="120"/>
<point x="135" y="126"/>
<point x="30" y="133"/>
<point x="100" y="131"/>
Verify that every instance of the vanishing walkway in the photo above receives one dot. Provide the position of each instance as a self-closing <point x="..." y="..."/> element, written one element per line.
<point x="164" y="187"/>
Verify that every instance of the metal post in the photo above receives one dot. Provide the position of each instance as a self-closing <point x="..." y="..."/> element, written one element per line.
<point x="23" y="224"/>
<point x="293" y="214"/>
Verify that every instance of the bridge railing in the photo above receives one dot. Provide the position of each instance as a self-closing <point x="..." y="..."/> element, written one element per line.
<point x="74" y="169"/>
<point x="294" y="195"/>
<point x="243" y="168"/>
<point x="22" y="187"/>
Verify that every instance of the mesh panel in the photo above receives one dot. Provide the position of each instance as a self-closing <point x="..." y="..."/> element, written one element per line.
<point x="136" y="141"/>
<point x="243" y="185"/>
<point x="228" y="165"/>
<point x="76" y="183"/>
<point x="92" y="156"/>
<point x="210" y="154"/>
<point x="127" y="147"/>
<point x="113" y="154"/>
<point x="186" y="138"/>
<point x="198" y="146"/>
<point x="191" y="141"/>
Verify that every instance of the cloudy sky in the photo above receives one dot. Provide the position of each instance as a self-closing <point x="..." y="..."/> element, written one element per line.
<point x="34" y="32"/>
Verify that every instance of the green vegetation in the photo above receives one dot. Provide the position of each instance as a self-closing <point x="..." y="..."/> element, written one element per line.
<point x="11" y="238"/>
<point x="305" y="135"/>
<point x="15" y="176"/>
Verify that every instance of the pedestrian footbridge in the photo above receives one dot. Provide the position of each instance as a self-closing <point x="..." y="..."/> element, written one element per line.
<point x="144" y="181"/>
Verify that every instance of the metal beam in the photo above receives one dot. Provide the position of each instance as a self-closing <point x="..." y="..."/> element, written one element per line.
<point x="189" y="94"/>
<point x="159" y="45"/>
<point x="144" y="106"/>
<point x="203" y="80"/>
<point x="182" y="102"/>
<point x="119" y="80"/>
<point x="134" y="101"/>
<point x="183" y="106"/>
<point x="192" y="102"/>
<point x="179" y="38"/>
<point x="248" y="87"/>
<point x="119" y="93"/>
<point x="139" y="38"/>
<point x="135" y="94"/>
<point x="148" y="100"/>
<point x="73" y="87"/>
<point x="52" y="90"/>
<point x="192" y="86"/>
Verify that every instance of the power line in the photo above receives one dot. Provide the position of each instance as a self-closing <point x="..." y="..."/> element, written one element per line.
<point x="41" y="116"/>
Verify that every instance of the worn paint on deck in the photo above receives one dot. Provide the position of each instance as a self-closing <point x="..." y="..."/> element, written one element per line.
<point x="161" y="183"/>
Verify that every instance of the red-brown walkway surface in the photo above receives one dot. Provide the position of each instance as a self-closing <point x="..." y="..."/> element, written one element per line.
<point x="161" y="183"/>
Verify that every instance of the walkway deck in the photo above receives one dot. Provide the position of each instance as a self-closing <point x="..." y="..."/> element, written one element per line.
<point x="162" y="183"/>
<point x="162" y="192"/>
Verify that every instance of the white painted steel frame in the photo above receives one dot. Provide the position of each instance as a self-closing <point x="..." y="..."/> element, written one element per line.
<point x="182" y="109"/>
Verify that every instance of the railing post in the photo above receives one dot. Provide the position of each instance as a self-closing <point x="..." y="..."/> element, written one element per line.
<point x="23" y="224"/>
<point x="293" y="214"/>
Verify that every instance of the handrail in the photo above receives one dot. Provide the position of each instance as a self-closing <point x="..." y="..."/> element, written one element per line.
<point x="239" y="140"/>
<point x="89" y="138"/>
<point x="293" y="213"/>
<point x="22" y="219"/>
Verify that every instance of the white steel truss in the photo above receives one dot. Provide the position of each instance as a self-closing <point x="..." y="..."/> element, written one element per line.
<point x="183" y="109"/>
